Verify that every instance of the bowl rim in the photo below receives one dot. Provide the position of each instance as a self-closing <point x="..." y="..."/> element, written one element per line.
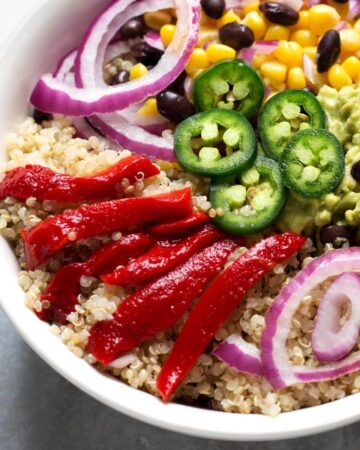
<point x="141" y="405"/>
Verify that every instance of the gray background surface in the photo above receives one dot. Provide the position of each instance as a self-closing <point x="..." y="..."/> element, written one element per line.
<point x="39" y="410"/>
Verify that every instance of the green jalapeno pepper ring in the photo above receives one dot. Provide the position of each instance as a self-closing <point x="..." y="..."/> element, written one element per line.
<point x="215" y="143"/>
<point x="312" y="163"/>
<point x="231" y="85"/>
<point x="285" y="114"/>
<point x="254" y="203"/>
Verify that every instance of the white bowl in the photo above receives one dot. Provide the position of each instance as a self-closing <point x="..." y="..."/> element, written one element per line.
<point x="49" y="31"/>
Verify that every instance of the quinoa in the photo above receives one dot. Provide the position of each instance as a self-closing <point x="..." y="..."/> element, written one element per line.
<point x="210" y="382"/>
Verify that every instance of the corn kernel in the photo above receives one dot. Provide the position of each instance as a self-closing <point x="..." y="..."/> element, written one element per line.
<point x="257" y="23"/>
<point x="254" y="6"/>
<point x="156" y="20"/>
<point x="207" y="35"/>
<point x="338" y="77"/>
<point x="289" y="53"/>
<point x="357" y="25"/>
<point x="149" y="108"/>
<point x="310" y="52"/>
<point x="342" y="9"/>
<point x="350" y="40"/>
<point x="196" y="73"/>
<point x="228" y="17"/>
<point x="167" y="34"/>
<point x="138" y="71"/>
<point x="259" y="59"/>
<point x="303" y="22"/>
<point x="198" y="60"/>
<point x="277" y="33"/>
<point x="351" y="66"/>
<point x="305" y="38"/>
<point x="296" y="78"/>
<point x="322" y="18"/>
<point x="274" y="71"/>
<point x="218" y="52"/>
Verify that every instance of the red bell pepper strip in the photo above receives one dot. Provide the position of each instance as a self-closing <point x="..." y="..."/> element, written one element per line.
<point x="159" y="305"/>
<point x="180" y="228"/>
<point x="57" y="232"/>
<point x="64" y="288"/>
<point x="217" y="303"/>
<point x="162" y="258"/>
<point x="44" y="184"/>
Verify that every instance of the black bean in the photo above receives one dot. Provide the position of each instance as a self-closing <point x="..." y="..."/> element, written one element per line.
<point x="145" y="54"/>
<point x="337" y="235"/>
<point x="174" y="106"/>
<point x="328" y="50"/>
<point x="341" y="1"/>
<point x="279" y="13"/>
<point x="121" y="77"/>
<point x="213" y="8"/>
<point x="40" y="116"/>
<point x="355" y="171"/>
<point x="236" y="35"/>
<point x="179" y="84"/>
<point x="133" y="28"/>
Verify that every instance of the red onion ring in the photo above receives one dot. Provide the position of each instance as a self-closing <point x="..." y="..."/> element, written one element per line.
<point x="354" y="9"/>
<point x="264" y="47"/>
<point x="154" y="40"/>
<point x="54" y="96"/>
<point x="329" y="342"/>
<point x="309" y="69"/>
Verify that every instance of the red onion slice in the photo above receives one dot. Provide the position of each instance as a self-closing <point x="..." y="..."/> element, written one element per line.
<point x="85" y="131"/>
<point x="240" y="355"/>
<point x="263" y="47"/>
<point x="293" y="4"/>
<point x="54" y="96"/>
<point x="277" y="368"/>
<point x="123" y="361"/>
<point x="354" y="9"/>
<point x="330" y="342"/>
<point x="309" y="69"/>
<point x="154" y="40"/>
<point x="237" y="4"/>
<point x="129" y="136"/>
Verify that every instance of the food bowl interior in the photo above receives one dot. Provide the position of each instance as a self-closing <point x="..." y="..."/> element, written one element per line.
<point x="49" y="32"/>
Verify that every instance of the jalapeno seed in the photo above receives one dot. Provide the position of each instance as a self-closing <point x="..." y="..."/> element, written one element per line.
<point x="279" y="13"/>
<point x="121" y="77"/>
<point x="133" y="28"/>
<point x="174" y="106"/>
<point x="355" y="171"/>
<point x="328" y="50"/>
<point x="337" y="235"/>
<point x="213" y="8"/>
<point x="237" y="35"/>
<point x="145" y="54"/>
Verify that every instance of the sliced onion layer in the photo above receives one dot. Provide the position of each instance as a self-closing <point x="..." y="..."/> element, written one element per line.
<point x="262" y="47"/>
<point x="154" y="40"/>
<point x="54" y="96"/>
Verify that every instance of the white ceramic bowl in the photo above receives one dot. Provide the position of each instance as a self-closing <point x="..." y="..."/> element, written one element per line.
<point x="47" y="33"/>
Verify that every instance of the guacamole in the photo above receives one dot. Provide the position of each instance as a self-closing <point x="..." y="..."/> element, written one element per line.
<point x="342" y="206"/>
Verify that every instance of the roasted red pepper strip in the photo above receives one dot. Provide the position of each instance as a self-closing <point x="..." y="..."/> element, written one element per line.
<point x="217" y="303"/>
<point x="157" y="306"/>
<point x="64" y="288"/>
<point x="162" y="258"/>
<point x="44" y="184"/>
<point x="184" y="227"/>
<point x="57" y="232"/>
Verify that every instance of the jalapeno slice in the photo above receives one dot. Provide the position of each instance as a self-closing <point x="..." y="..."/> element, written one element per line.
<point x="231" y="85"/>
<point x="284" y="115"/>
<point x="312" y="163"/>
<point x="215" y="143"/>
<point x="251" y="200"/>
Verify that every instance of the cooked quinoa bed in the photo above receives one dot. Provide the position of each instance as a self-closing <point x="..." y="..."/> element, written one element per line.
<point x="210" y="383"/>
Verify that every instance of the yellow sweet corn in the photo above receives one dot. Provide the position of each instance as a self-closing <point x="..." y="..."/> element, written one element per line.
<point x="303" y="22"/>
<point x="350" y="40"/>
<point x="198" y="60"/>
<point x="277" y="33"/>
<point x="259" y="59"/>
<point x="138" y="71"/>
<point x="310" y="52"/>
<point x="149" y="108"/>
<point x="338" y="77"/>
<point x="289" y="53"/>
<point x="156" y="20"/>
<point x="305" y="38"/>
<point x="322" y="18"/>
<point x="257" y="23"/>
<point x="351" y="66"/>
<point x="167" y="34"/>
<point x="274" y="71"/>
<point x="254" y="6"/>
<point x="228" y="17"/>
<point x="357" y="25"/>
<point x="207" y="35"/>
<point x="296" y="78"/>
<point x="218" y="52"/>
